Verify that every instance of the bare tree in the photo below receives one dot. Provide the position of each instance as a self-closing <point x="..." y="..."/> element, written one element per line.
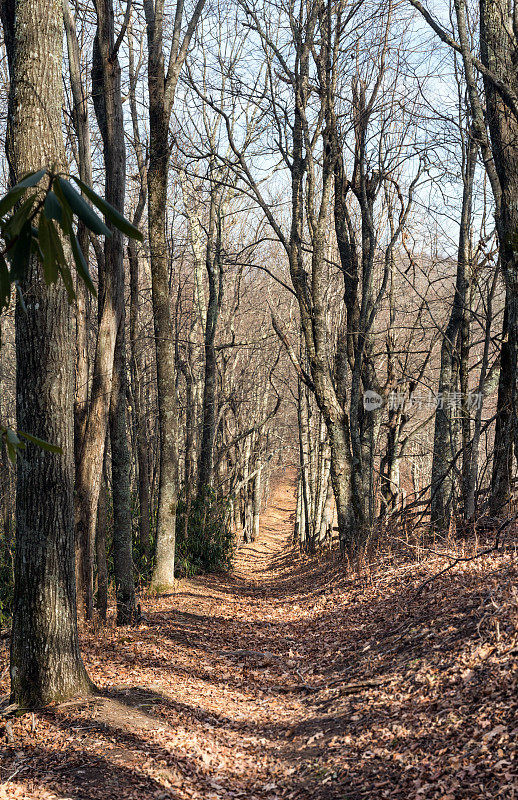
<point x="497" y="106"/>
<point x="446" y="422"/>
<point x="162" y="83"/>
<point x="106" y="87"/>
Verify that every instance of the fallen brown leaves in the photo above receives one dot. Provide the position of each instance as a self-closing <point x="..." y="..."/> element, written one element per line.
<point x="290" y="680"/>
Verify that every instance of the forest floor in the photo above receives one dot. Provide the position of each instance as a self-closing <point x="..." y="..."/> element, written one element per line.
<point x="291" y="679"/>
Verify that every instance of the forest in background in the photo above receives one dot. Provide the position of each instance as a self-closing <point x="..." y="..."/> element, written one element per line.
<point x="310" y="261"/>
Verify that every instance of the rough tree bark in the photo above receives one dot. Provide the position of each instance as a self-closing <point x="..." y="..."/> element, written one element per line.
<point x="106" y="85"/>
<point x="83" y="498"/>
<point x="499" y="52"/>
<point x="90" y="450"/>
<point x="46" y="664"/>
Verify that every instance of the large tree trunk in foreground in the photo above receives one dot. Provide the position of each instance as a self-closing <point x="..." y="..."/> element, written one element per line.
<point x="499" y="51"/>
<point x="46" y="664"/>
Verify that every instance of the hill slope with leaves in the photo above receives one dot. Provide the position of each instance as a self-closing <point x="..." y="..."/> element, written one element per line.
<point x="289" y="679"/>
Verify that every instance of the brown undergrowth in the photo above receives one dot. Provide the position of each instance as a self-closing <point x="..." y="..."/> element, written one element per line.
<point x="291" y="679"/>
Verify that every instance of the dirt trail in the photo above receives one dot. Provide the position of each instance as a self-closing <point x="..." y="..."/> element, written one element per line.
<point x="266" y="557"/>
<point x="239" y="687"/>
<point x="196" y="711"/>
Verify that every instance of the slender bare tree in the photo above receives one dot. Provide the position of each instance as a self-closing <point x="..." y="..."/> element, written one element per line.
<point x="162" y="83"/>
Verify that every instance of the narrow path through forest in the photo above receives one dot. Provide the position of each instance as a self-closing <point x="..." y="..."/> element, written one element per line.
<point x="288" y="679"/>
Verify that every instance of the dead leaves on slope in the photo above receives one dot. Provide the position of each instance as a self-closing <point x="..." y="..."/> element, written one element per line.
<point x="290" y="680"/>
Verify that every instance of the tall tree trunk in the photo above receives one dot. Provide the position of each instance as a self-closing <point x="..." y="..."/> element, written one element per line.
<point x="499" y="52"/>
<point x="471" y="471"/>
<point x="82" y="130"/>
<point x="163" y="573"/>
<point x="46" y="665"/>
<point x="465" y="410"/>
<point x="90" y="453"/>
<point x="84" y="535"/>
<point x="444" y="469"/>
<point x="137" y="350"/>
<point x="503" y="445"/>
<point x="162" y="84"/>
<point x="106" y="83"/>
<point x="122" y="533"/>
<point x="157" y="177"/>
<point x="137" y="371"/>
<point x="90" y="461"/>
<point x="215" y="275"/>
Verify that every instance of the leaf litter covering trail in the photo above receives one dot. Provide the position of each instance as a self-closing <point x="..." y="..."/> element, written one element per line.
<point x="289" y="679"/>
